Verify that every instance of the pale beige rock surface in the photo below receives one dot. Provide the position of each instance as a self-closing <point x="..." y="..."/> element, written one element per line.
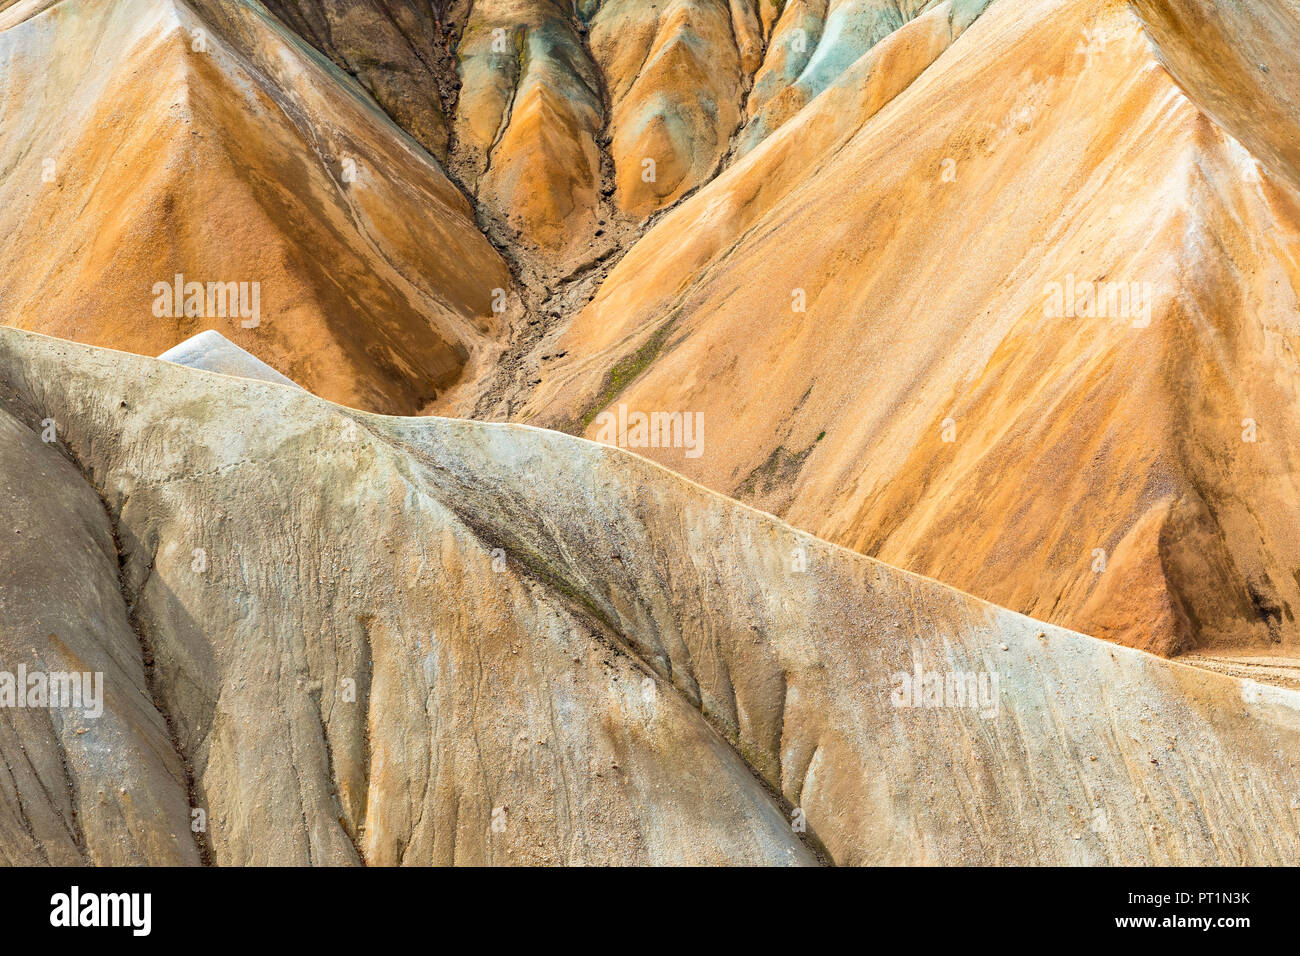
<point x="108" y="790"/>
<point x="624" y="665"/>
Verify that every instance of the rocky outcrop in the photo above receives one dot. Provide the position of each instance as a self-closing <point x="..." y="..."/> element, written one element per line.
<point x="528" y="122"/>
<point x="677" y="74"/>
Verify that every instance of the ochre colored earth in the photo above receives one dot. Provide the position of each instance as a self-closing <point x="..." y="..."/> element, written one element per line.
<point x="938" y="337"/>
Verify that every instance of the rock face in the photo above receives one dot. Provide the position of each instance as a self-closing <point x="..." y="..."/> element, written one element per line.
<point x="815" y="42"/>
<point x="437" y="641"/>
<point x="1024" y="323"/>
<point x="546" y="136"/>
<point x="245" y="159"/>
<point x="677" y="73"/>
<point x="109" y="789"/>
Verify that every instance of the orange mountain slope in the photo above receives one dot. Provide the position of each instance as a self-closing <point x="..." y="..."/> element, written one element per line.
<point x="1028" y="328"/>
<point x="224" y="150"/>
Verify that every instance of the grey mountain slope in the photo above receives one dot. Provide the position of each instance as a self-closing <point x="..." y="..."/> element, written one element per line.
<point x="563" y="653"/>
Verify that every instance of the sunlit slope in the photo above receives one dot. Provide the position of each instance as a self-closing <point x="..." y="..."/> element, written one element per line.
<point x="1237" y="61"/>
<point x="886" y="330"/>
<point x="222" y="150"/>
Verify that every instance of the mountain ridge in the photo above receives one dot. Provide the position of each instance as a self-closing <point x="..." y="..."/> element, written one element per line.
<point x="793" y="670"/>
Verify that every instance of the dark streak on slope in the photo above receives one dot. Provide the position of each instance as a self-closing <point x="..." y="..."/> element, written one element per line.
<point x="151" y="679"/>
<point x="571" y="595"/>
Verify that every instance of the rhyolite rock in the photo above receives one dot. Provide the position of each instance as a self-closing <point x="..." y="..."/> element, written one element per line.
<point x="210" y="145"/>
<point x="1010" y="306"/>
<point x="399" y="640"/>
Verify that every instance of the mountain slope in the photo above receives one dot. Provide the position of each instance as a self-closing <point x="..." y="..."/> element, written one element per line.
<point x="245" y="158"/>
<point x="528" y="121"/>
<point x="572" y="124"/>
<point x="866" y="310"/>
<point x="110" y="789"/>
<point x="384" y="284"/>
<point x="395" y="50"/>
<point x="561" y="652"/>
